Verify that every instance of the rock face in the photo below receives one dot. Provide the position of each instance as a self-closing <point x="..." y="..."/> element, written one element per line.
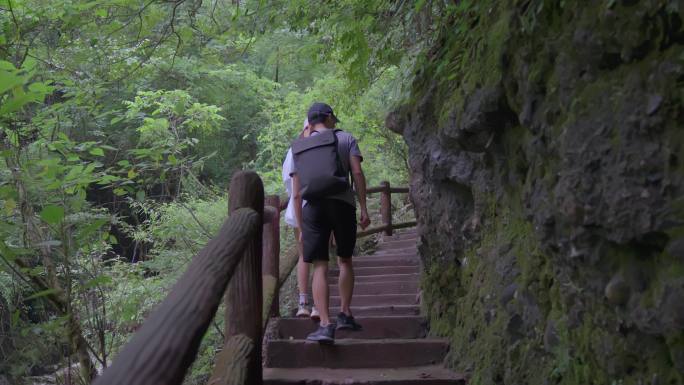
<point x="547" y="144"/>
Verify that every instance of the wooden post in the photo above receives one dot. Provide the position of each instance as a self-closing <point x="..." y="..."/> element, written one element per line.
<point x="386" y="207"/>
<point x="244" y="296"/>
<point x="271" y="253"/>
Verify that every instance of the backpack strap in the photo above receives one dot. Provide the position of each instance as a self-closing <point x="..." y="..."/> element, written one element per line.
<point x="349" y="173"/>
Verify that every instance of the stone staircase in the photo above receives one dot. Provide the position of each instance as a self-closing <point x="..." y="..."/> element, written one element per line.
<point x="392" y="349"/>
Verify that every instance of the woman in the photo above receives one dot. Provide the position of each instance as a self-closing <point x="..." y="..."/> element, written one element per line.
<point x="302" y="267"/>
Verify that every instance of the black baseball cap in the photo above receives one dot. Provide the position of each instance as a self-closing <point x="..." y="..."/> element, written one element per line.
<point x="318" y="113"/>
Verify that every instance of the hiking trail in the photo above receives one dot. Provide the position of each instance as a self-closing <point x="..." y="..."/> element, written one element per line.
<point x="394" y="346"/>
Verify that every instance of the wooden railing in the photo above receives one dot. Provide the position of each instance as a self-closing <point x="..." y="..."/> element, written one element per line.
<point x="386" y="210"/>
<point x="161" y="352"/>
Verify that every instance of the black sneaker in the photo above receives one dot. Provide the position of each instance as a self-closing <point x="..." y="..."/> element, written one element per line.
<point x="346" y="322"/>
<point x="324" y="335"/>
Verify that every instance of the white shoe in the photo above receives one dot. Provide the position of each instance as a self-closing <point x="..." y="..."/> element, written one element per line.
<point x="302" y="311"/>
<point x="314" y="314"/>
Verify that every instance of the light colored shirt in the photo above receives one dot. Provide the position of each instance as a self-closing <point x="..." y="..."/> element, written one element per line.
<point x="288" y="167"/>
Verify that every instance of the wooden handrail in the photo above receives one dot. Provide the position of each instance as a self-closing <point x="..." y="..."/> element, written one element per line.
<point x="166" y="345"/>
<point x="393" y="190"/>
<point x="380" y="229"/>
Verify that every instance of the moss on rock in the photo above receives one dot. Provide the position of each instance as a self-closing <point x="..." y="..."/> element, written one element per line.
<point x="548" y="159"/>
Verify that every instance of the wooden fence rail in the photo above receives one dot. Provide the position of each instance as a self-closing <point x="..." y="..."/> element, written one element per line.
<point x="242" y="261"/>
<point x="387" y="227"/>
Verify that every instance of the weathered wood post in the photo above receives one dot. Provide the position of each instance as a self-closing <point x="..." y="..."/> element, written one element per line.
<point x="271" y="254"/>
<point x="386" y="207"/>
<point x="240" y="360"/>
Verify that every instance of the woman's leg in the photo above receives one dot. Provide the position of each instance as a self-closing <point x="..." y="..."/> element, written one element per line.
<point x="302" y="279"/>
<point x="302" y="268"/>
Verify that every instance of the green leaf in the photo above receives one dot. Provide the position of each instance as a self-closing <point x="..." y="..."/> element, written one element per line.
<point x="40" y="89"/>
<point x="52" y="214"/>
<point x="92" y="227"/>
<point x="15" y="318"/>
<point x="8" y="192"/>
<point x="29" y="65"/>
<point x="96" y="151"/>
<point x="7" y="66"/>
<point x="7" y="252"/>
<point x="9" y="81"/>
<point x="16" y="102"/>
<point x="101" y="12"/>
<point x="10" y="205"/>
<point x="102" y="280"/>
<point x="42" y="293"/>
<point x="140" y="196"/>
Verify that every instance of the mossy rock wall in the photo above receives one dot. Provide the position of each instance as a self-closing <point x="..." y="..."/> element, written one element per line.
<point x="547" y="147"/>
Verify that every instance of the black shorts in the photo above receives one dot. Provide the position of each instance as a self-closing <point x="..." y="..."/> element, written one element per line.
<point x="322" y="217"/>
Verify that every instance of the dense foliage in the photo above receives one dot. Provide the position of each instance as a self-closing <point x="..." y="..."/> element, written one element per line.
<point x="121" y="122"/>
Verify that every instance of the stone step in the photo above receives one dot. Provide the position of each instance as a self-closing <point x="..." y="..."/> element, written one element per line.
<point x="399" y="243"/>
<point x="380" y="310"/>
<point x="411" y="251"/>
<point x="375" y="288"/>
<point x="385" y="261"/>
<point x="379" y="270"/>
<point x="404" y="242"/>
<point x="376" y="300"/>
<point x="407" y="244"/>
<point x="405" y="232"/>
<point x="399" y="236"/>
<point x="404" y="327"/>
<point x="392" y="254"/>
<point x="408" y="252"/>
<point x="352" y="353"/>
<point x="380" y="278"/>
<point x="420" y="375"/>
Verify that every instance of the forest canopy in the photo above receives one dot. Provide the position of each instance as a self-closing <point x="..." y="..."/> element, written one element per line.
<point x="121" y="122"/>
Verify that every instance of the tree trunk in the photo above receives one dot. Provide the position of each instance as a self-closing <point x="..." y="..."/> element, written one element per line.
<point x="5" y="322"/>
<point x="277" y="67"/>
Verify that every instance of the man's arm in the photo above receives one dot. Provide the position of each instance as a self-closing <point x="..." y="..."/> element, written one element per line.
<point x="298" y="203"/>
<point x="360" y="184"/>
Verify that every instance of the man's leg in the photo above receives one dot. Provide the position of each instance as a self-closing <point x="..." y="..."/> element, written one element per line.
<point x="320" y="290"/>
<point x="346" y="283"/>
<point x="316" y="232"/>
<point x="345" y="236"/>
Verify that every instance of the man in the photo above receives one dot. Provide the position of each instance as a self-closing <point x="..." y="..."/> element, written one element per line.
<point x="334" y="213"/>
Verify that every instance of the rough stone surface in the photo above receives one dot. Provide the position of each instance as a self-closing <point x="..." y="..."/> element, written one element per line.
<point x="547" y="150"/>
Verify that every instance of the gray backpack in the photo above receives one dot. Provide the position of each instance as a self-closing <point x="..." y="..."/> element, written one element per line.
<point x="318" y="166"/>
